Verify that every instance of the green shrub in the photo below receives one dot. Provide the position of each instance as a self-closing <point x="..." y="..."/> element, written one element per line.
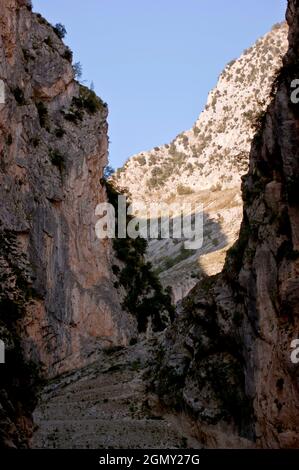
<point x="86" y="101"/>
<point x="152" y="160"/>
<point x="73" y="115"/>
<point x="35" y="141"/>
<point x="60" y="30"/>
<point x="172" y="148"/>
<point x="48" y="41"/>
<point x="179" y="158"/>
<point x="77" y="67"/>
<point x="68" y="55"/>
<point x="27" y="55"/>
<point x="189" y="167"/>
<point x="156" y="172"/>
<point x="185" y="140"/>
<point x="153" y="183"/>
<point x="196" y="131"/>
<point x="19" y="96"/>
<point x="141" y="160"/>
<point x="217" y="187"/>
<point x="57" y="159"/>
<point x="108" y="172"/>
<point x="231" y="63"/>
<point x="42" y="113"/>
<point x="89" y="101"/>
<point x="42" y="20"/>
<point x="170" y="262"/>
<point x="9" y="140"/>
<point x="184" y="190"/>
<point x="59" y="132"/>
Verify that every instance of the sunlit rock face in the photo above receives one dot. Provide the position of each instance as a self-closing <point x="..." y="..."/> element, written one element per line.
<point x="55" y="274"/>
<point x="204" y="165"/>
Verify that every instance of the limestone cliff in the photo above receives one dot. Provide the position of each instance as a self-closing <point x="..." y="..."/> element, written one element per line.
<point x="214" y="153"/>
<point x="205" y="164"/>
<point x="226" y="363"/>
<point x="58" y="304"/>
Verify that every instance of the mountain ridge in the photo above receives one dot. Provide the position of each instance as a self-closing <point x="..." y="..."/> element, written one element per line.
<point x="205" y="164"/>
<point x="231" y="114"/>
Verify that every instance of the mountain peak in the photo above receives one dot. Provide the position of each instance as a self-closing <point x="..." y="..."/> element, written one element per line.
<point x="215" y="152"/>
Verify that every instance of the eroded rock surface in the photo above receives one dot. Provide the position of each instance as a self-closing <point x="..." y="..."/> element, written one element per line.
<point x="107" y="405"/>
<point x="53" y="147"/>
<point x="205" y="164"/>
<point x="226" y="361"/>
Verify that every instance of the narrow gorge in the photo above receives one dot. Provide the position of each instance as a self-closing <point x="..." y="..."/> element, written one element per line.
<point x="96" y="355"/>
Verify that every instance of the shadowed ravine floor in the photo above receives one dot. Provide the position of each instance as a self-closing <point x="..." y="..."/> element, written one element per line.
<point x="106" y="405"/>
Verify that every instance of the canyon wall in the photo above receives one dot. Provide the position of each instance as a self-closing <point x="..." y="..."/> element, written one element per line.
<point x="226" y="363"/>
<point x="58" y="305"/>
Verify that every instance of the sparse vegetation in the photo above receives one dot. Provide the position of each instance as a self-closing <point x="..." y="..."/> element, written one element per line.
<point x="86" y="101"/>
<point x="60" y="30"/>
<point x="184" y="190"/>
<point x="59" y="132"/>
<point x="145" y="296"/>
<point x="68" y="55"/>
<point x="57" y="159"/>
<point x="108" y="172"/>
<point x="49" y="41"/>
<point x="19" y="96"/>
<point x="170" y="262"/>
<point x="9" y="140"/>
<point x="42" y="113"/>
<point x="77" y="67"/>
<point x="141" y="160"/>
<point x="196" y="131"/>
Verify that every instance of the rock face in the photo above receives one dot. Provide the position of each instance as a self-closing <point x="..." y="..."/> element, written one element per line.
<point x="55" y="274"/>
<point x="214" y="153"/>
<point x="205" y="165"/>
<point x="227" y="361"/>
<point x="110" y="408"/>
<point x="180" y="268"/>
<point x="225" y="364"/>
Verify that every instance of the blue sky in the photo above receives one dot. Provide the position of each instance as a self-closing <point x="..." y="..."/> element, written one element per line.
<point x="154" y="62"/>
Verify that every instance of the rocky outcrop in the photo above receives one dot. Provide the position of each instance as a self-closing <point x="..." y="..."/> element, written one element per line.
<point x="58" y="305"/>
<point x="109" y="409"/>
<point x="215" y="152"/>
<point x="182" y="269"/>
<point x="205" y="165"/>
<point x="226" y="362"/>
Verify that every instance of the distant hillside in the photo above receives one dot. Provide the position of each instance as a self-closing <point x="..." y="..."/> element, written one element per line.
<point x="205" y="164"/>
<point x="214" y="153"/>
